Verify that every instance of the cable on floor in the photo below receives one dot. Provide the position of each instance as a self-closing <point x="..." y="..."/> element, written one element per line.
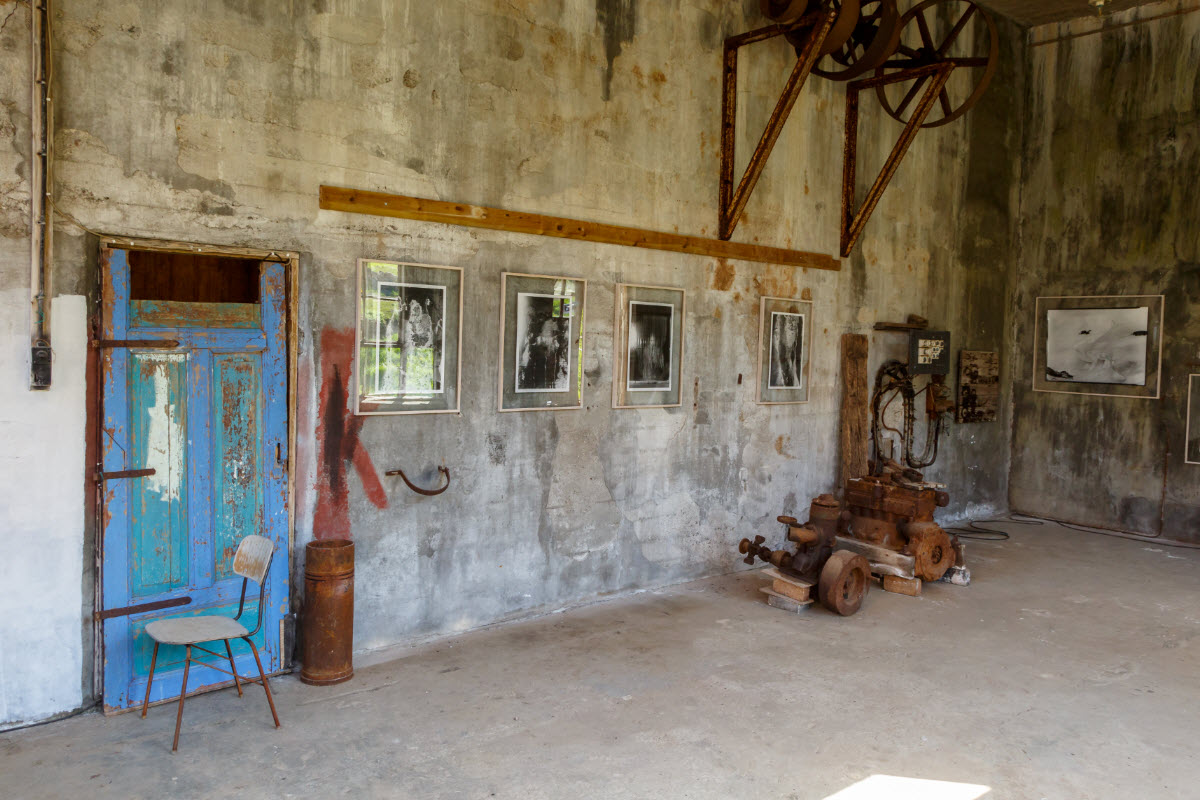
<point x="978" y="531"/>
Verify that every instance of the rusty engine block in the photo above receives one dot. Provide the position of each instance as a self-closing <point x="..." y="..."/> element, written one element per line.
<point x="893" y="512"/>
<point x="842" y="577"/>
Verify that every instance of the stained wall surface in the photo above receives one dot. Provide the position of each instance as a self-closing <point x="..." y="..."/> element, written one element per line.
<point x="217" y="121"/>
<point x="1109" y="207"/>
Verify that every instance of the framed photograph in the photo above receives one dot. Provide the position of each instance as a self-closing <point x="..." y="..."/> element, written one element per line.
<point x="784" y="335"/>
<point x="1192" y="437"/>
<point x="647" y="346"/>
<point x="541" y="342"/>
<point x="1106" y="345"/>
<point x="408" y="329"/>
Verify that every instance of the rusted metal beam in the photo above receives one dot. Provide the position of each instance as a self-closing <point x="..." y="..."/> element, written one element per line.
<point x="733" y="202"/>
<point x="357" y="201"/>
<point x="853" y="221"/>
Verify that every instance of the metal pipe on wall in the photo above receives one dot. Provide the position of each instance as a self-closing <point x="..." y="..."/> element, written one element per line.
<point x="41" y="238"/>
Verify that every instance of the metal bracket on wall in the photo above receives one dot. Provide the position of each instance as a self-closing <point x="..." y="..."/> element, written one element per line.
<point x="853" y="221"/>
<point x="418" y="489"/>
<point x="733" y="201"/>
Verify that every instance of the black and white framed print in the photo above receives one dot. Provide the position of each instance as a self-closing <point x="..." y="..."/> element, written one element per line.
<point x="648" y="346"/>
<point x="784" y="336"/>
<point x="1105" y="345"/>
<point x="407" y="327"/>
<point x="1192" y="435"/>
<point x="541" y="342"/>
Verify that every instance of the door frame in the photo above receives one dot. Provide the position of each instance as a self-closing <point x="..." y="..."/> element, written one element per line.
<point x="94" y="387"/>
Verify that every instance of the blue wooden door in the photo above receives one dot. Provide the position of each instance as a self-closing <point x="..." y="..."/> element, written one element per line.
<point x="209" y="416"/>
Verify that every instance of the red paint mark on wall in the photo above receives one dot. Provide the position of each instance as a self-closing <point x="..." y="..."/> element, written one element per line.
<point x="338" y="442"/>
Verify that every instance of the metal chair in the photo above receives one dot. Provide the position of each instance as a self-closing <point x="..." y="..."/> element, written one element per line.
<point x="252" y="561"/>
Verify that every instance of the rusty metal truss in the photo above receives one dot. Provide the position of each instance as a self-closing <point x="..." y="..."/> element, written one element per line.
<point x="733" y="201"/>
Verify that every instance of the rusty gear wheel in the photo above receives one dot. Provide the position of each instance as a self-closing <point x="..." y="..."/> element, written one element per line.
<point x="932" y="32"/>
<point x="844" y="581"/>
<point x="933" y="553"/>
<point x="784" y="12"/>
<point x="873" y="39"/>
<point x="843" y="26"/>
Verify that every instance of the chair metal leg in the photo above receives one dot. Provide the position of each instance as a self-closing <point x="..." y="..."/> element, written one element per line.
<point x="263" y="677"/>
<point x="233" y="668"/>
<point x="187" y="663"/>
<point x="150" y="680"/>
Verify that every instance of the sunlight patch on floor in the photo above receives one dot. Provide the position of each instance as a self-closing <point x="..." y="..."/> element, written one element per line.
<point x="890" y="787"/>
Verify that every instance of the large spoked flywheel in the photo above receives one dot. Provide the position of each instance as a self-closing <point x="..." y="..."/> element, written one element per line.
<point x="956" y="32"/>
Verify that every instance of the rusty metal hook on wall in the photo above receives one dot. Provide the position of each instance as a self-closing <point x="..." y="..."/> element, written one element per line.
<point x="418" y="489"/>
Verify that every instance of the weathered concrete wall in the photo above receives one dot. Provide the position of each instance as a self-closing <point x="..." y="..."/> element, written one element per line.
<point x="41" y="460"/>
<point x="216" y="122"/>
<point x="1109" y="206"/>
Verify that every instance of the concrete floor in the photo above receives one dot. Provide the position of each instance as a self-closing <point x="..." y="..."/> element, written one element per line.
<point x="1066" y="670"/>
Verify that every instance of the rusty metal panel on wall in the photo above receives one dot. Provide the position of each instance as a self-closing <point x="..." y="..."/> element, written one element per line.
<point x="978" y="385"/>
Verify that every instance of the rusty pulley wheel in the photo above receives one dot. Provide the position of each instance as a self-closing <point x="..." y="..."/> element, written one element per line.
<point x="872" y="40"/>
<point x="844" y="581"/>
<point x="932" y="552"/>
<point x="843" y="26"/>
<point x="940" y="32"/>
<point x="785" y="12"/>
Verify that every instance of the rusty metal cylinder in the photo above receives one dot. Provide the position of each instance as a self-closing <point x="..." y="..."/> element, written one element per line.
<point x="327" y="632"/>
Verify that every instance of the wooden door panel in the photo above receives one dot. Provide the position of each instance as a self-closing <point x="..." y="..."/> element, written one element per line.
<point x="237" y="455"/>
<point x="158" y="522"/>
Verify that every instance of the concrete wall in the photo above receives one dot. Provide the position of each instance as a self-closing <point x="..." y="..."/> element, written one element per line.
<point x="217" y="121"/>
<point x="1109" y="206"/>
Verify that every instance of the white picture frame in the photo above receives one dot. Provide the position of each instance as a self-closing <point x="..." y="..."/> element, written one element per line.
<point x="515" y="390"/>
<point x="1152" y="387"/>
<point x="407" y="316"/>
<point x="639" y="309"/>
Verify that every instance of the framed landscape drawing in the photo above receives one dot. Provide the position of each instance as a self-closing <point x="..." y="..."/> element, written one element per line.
<point x="1105" y="345"/>
<point x="784" y="337"/>
<point x="647" y="346"/>
<point x="541" y="342"/>
<point x="408" y="333"/>
<point x="1192" y="437"/>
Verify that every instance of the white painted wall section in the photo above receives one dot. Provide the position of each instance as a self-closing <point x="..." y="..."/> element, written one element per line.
<point x="41" y="515"/>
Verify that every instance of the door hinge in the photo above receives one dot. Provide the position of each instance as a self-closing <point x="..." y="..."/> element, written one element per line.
<point x="153" y="344"/>
<point x="158" y="605"/>
<point x="129" y="473"/>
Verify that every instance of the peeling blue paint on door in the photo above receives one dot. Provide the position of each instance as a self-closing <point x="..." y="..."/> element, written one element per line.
<point x="210" y="417"/>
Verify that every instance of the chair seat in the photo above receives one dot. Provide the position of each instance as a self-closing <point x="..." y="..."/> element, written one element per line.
<point x="191" y="630"/>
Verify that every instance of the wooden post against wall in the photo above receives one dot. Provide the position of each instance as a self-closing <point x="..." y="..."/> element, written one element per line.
<point x="855" y="430"/>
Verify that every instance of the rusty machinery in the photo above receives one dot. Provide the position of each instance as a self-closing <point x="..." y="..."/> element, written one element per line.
<point x="927" y="72"/>
<point x="842" y="577"/>
<point x="893" y="507"/>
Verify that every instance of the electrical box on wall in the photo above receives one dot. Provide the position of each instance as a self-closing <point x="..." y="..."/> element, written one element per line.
<point x="929" y="353"/>
<point x="39" y="367"/>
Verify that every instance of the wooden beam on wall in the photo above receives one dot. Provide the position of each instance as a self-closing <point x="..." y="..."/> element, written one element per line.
<point x="357" y="201"/>
<point x="855" y="430"/>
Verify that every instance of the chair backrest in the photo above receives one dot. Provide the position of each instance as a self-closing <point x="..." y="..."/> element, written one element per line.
<point x="253" y="557"/>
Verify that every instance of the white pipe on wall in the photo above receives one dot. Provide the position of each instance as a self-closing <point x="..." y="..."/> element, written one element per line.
<point x="41" y="237"/>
